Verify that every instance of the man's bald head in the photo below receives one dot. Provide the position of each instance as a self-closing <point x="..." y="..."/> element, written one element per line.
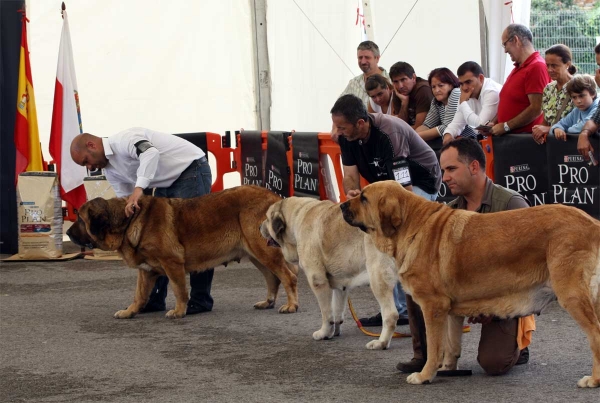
<point x="87" y="150"/>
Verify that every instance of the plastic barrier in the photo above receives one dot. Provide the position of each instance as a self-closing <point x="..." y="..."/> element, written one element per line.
<point x="326" y="147"/>
<point x="220" y="147"/>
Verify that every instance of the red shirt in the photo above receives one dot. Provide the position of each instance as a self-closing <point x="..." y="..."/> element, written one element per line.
<point x="531" y="77"/>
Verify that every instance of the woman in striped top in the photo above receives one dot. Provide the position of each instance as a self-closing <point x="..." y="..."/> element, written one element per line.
<point x="446" y="95"/>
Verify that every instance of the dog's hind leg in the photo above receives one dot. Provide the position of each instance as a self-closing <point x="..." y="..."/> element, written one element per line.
<point x="320" y="285"/>
<point x="145" y="282"/>
<point x="340" y="301"/>
<point x="435" y="313"/>
<point x="577" y="298"/>
<point x="272" y="260"/>
<point x="453" y="341"/>
<point x="272" y="286"/>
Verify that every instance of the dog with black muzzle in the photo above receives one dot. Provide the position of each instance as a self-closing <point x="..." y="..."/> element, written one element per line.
<point x="174" y="236"/>
<point x="336" y="258"/>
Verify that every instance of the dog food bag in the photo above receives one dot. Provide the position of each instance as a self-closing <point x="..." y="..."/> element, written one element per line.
<point x="40" y="216"/>
<point x="98" y="186"/>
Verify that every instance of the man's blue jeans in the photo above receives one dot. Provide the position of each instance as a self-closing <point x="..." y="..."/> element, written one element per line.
<point x="194" y="181"/>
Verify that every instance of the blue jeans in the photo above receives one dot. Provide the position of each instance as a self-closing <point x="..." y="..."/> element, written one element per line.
<point x="429" y="196"/>
<point x="399" y="294"/>
<point x="194" y="181"/>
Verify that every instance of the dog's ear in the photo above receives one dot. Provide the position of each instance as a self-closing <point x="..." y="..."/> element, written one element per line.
<point x="278" y="223"/>
<point x="389" y="216"/>
<point x="98" y="217"/>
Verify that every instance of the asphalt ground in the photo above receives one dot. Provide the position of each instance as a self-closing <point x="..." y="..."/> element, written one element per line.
<point x="60" y="343"/>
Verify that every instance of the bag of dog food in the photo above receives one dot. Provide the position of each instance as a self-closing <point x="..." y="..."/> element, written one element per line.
<point x="40" y="216"/>
<point x="98" y="186"/>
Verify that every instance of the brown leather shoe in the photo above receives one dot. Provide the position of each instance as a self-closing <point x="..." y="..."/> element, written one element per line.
<point x="414" y="365"/>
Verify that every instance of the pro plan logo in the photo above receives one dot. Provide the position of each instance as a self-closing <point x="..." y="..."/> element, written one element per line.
<point x="573" y="158"/>
<point x="519" y="168"/>
<point x="250" y="160"/>
<point x="303" y="155"/>
<point x="275" y="169"/>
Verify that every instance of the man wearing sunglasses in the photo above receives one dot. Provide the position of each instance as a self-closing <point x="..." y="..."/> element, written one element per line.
<point x="520" y="105"/>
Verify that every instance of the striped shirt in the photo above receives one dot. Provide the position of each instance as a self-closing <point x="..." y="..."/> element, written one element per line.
<point x="440" y="115"/>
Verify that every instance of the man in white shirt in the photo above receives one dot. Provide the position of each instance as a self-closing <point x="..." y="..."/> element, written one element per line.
<point x="479" y="98"/>
<point x="138" y="159"/>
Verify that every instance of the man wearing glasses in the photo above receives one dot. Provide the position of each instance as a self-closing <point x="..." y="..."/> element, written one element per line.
<point x="520" y="105"/>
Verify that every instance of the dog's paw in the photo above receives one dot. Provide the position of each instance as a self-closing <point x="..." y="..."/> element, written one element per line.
<point x="124" y="314"/>
<point x="264" y="305"/>
<point x="288" y="308"/>
<point x="588" y="382"/>
<point x="173" y="314"/>
<point x="377" y="345"/>
<point x="417" y="379"/>
<point x="323" y="334"/>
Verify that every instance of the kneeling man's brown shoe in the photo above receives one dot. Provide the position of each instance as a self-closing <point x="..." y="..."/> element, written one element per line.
<point x="414" y="365"/>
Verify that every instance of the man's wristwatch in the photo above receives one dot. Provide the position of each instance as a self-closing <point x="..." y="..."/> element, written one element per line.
<point x="506" y="128"/>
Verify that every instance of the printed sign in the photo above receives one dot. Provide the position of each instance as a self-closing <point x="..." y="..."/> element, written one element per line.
<point x="277" y="171"/>
<point x="520" y="164"/>
<point x="306" y="164"/>
<point x="252" y="158"/>
<point x="573" y="181"/>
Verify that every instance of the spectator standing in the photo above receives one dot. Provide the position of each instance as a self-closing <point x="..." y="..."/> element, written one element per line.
<point x="520" y="105"/>
<point x="556" y="101"/>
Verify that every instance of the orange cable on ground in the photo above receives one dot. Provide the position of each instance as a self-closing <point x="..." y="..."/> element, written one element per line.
<point x="396" y="335"/>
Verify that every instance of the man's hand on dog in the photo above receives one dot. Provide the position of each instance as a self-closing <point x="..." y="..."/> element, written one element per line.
<point x="353" y="193"/>
<point x="483" y="319"/>
<point x="132" y="202"/>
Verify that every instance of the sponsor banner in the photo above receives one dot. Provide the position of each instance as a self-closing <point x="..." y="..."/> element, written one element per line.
<point x="573" y="181"/>
<point x="521" y="164"/>
<point x="252" y="158"/>
<point x="197" y="139"/>
<point x="306" y="164"/>
<point x="277" y="171"/>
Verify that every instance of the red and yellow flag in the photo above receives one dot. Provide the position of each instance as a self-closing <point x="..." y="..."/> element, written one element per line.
<point x="27" y="138"/>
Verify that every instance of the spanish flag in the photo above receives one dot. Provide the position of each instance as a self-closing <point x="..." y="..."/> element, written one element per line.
<point x="27" y="138"/>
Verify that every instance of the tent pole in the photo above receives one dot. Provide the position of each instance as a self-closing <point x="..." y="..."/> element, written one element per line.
<point x="261" y="63"/>
<point x="369" y="26"/>
<point x="483" y="40"/>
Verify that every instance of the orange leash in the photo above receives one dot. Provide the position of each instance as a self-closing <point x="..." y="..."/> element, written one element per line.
<point x="396" y="335"/>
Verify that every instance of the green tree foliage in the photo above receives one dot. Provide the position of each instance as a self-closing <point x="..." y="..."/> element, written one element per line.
<point x="555" y="22"/>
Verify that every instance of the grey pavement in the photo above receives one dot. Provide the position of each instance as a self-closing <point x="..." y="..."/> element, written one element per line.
<point x="60" y="343"/>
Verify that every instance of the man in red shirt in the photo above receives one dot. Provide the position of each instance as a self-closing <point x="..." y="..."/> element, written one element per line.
<point x="520" y="106"/>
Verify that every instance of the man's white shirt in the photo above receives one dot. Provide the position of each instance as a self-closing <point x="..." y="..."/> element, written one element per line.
<point x="475" y="112"/>
<point x="158" y="166"/>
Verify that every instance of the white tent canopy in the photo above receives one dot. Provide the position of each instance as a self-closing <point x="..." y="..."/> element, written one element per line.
<point x="189" y="65"/>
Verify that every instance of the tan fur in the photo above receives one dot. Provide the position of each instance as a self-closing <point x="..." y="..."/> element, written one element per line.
<point x="335" y="258"/>
<point x="505" y="264"/>
<point x="175" y="236"/>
